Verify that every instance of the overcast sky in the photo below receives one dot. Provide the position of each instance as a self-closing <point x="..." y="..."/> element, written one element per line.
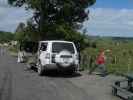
<point x="107" y="18"/>
<point x="10" y="17"/>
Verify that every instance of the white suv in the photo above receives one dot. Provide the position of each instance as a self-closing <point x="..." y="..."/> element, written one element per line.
<point x="61" y="55"/>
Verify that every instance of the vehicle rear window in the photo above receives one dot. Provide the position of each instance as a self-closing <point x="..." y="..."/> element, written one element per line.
<point x="59" y="46"/>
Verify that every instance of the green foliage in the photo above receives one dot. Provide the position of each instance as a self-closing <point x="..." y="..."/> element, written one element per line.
<point x="6" y="37"/>
<point x="19" y="36"/>
<point x="118" y="60"/>
<point x="13" y="49"/>
<point x="27" y="33"/>
<point x="88" y="57"/>
<point x="55" y="19"/>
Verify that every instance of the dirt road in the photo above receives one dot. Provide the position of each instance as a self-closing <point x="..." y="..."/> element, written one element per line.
<point x="18" y="84"/>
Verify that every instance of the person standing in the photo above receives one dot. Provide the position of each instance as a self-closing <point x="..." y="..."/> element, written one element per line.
<point x="21" y="55"/>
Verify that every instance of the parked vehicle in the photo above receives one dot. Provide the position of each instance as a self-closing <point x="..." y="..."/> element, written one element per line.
<point x="51" y="55"/>
<point x="60" y="55"/>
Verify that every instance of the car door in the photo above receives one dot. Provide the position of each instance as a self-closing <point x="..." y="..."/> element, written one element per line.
<point x="42" y="53"/>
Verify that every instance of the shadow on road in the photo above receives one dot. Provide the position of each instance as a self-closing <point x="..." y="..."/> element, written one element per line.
<point x="56" y="74"/>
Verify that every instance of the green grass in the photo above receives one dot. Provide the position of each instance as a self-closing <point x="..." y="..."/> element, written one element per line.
<point x="13" y="50"/>
<point x="119" y="60"/>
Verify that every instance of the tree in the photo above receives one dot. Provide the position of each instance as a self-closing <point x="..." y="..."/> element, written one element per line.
<point x="56" y="19"/>
<point x="26" y="33"/>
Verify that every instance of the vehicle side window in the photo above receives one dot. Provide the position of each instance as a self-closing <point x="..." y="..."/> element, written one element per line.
<point x="43" y="46"/>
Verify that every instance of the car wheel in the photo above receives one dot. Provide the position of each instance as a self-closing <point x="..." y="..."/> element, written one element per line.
<point x="29" y="66"/>
<point x="71" y="72"/>
<point x="40" y="69"/>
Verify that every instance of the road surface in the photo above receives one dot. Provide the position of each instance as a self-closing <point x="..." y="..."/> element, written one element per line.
<point x="16" y="83"/>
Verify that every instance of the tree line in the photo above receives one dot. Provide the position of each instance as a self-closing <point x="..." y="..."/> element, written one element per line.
<point x="54" y="19"/>
<point x="6" y="36"/>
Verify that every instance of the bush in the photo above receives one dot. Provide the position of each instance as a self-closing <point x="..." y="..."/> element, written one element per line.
<point x="13" y="49"/>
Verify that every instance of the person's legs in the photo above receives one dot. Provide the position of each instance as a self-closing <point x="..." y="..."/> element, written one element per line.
<point x="21" y="57"/>
<point x="18" y="58"/>
<point x="103" y="70"/>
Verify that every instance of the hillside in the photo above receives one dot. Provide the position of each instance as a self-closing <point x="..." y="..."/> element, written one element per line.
<point x="6" y="36"/>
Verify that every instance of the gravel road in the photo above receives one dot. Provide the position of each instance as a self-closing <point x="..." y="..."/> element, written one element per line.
<point x="18" y="84"/>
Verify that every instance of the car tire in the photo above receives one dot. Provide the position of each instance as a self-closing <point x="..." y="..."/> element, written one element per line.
<point x="40" y="69"/>
<point x="71" y="72"/>
<point x="29" y="66"/>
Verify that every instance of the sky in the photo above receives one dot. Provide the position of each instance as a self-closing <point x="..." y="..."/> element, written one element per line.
<point x="110" y="18"/>
<point x="10" y="16"/>
<point x="107" y="18"/>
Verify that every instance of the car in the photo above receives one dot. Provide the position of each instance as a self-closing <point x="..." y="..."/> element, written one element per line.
<point x="59" y="55"/>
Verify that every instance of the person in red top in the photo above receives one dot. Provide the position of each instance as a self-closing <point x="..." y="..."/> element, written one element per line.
<point x="101" y="58"/>
<point x="100" y="64"/>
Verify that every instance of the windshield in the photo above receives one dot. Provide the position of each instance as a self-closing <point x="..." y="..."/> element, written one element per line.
<point x="59" y="46"/>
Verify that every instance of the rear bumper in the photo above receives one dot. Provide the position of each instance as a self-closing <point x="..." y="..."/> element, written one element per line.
<point x="56" y="67"/>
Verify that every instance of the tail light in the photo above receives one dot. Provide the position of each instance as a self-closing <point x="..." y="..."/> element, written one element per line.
<point x="77" y="57"/>
<point x="47" y="56"/>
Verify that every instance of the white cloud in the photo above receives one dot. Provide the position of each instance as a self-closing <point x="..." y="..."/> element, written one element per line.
<point x="110" y="22"/>
<point x="10" y="17"/>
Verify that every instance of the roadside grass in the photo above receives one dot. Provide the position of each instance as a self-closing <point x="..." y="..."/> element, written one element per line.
<point x="13" y="50"/>
<point x="119" y="60"/>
